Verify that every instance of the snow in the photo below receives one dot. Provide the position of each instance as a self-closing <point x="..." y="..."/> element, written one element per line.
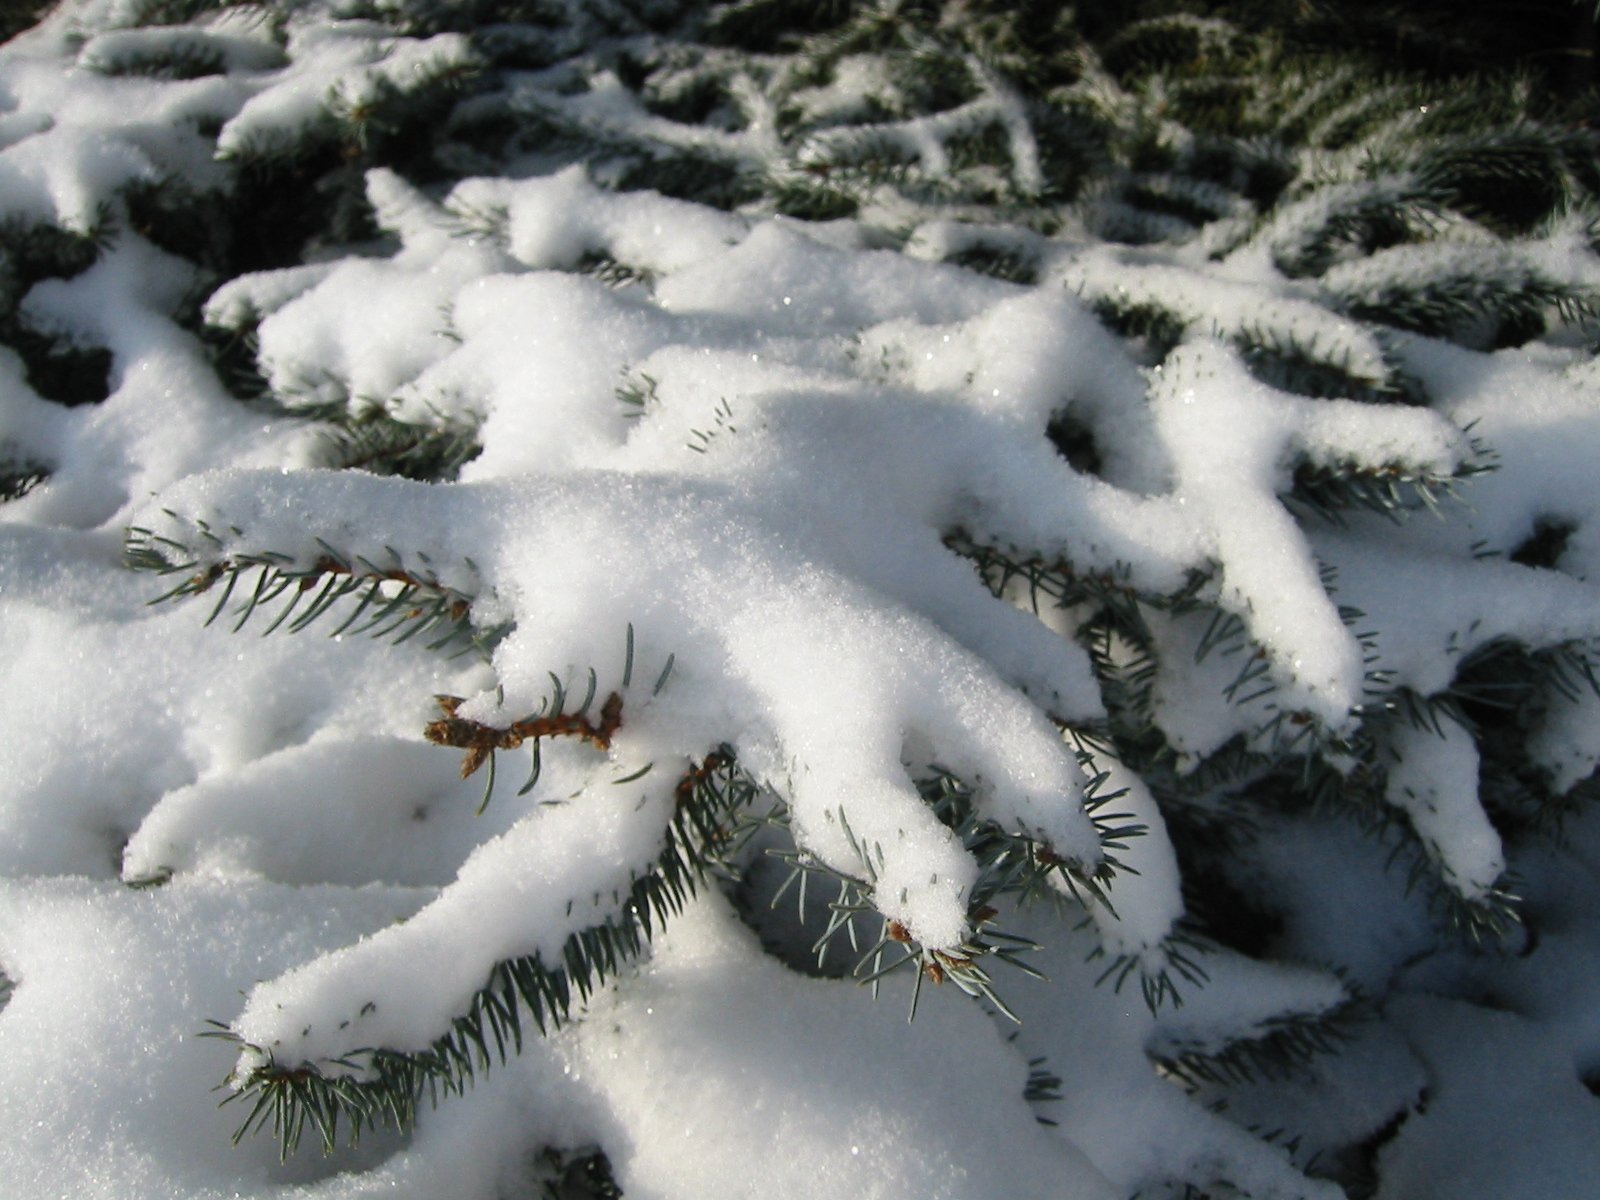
<point x="203" y="826"/>
<point x="231" y="39"/>
<point x="923" y="138"/>
<point x="1435" y="782"/>
<point x="885" y="1120"/>
<point x="130" y="1106"/>
<point x="527" y="877"/>
<point x="1211" y="303"/>
<point x="1476" y="1138"/>
<point x="332" y="65"/>
<point x="612" y="110"/>
<point x="809" y="656"/>
<point x="1567" y="741"/>
<point x="344" y="812"/>
<point x="1117" y="1120"/>
<point x="554" y="221"/>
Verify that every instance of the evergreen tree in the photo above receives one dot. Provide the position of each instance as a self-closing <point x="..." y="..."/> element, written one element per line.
<point x="1080" y="519"/>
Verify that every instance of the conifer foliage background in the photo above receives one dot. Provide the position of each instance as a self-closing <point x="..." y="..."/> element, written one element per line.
<point x="1078" y="518"/>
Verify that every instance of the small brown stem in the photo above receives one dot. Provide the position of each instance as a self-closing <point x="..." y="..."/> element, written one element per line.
<point x="480" y="740"/>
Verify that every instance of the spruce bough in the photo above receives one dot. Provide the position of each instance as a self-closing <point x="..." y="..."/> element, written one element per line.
<point x="1087" y="512"/>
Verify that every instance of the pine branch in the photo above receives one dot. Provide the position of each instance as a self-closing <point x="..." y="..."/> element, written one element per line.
<point x="1179" y="42"/>
<point x="182" y="61"/>
<point x="1013" y="869"/>
<point x="385" y="445"/>
<point x="1349" y="220"/>
<point x="999" y="262"/>
<point x="1493" y="916"/>
<point x="1279" y="1048"/>
<point x="1331" y="490"/>
<point x="1007" y="570"/>
<point x="180" y="12"/>
<point x="1302" y="367"/>
<point x="1509" y="179"/>
<point x="614" y="273"/>
<point x="882" y="947"/>
<point x="376" y="1088"/>
<point x="383" y="601"/>
<point x="1487" y="301"/>
<point x="1182" y="132"/>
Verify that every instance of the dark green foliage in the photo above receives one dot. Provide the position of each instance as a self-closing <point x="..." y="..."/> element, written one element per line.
<point x="583" y="1174"/>
<point x="1302" y="369"/>
<point x="384" y="445"/>
<point x="1545" y="545"/>
<point x="813" y="196"/>
<point x="1501" y="692"/>
<point x="1331" y="490"/>
<point x="291" y="198"/>
<point x="184" y="62"/>
<point x="19" y="476"/>
<point x="1013" y="870"/>
<point x="1154" y="331"/>
<point x="613" y="273"/>
<point x="37" y="251"/>
<point x="232" y="353"/>
<point x="313" y="194"/>
<point x="1369" y="219"/>
<point x="182" y="221"/>
<point x="473" y="17"/>
<point x="1074" y="440"/>
<point x="18" y="15"/>
<point x="1181" y="43"/>
<point x="58" y="368"/>
<point x="177" y="12"/>
<point x="385" y="600"/>
<point x="1510" y="179"/>
<point x="687" y="177"/>
<point x="1283" y="1047"/>
<point x="773" y="24"/>
<point x="1553" y="40"/>
<point x="1217" y="906"/>
<point x="1474" y="307"/>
